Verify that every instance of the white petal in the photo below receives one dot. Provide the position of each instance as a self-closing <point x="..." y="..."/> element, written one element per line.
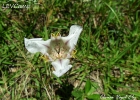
<point x="76" y="31"/>
<point x="61" y="66"/>
<point x="36" y="45"/>
<point x="72" y="38"/>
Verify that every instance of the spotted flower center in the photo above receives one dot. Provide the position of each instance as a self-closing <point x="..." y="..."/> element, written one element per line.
<point x="58" y="49"/>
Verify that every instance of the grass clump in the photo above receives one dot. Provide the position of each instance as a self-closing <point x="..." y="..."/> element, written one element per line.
<point x="107" y="63"/>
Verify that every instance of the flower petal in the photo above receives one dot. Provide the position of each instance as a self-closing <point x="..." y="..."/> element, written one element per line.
<point x="36" y="45"/>
<point x="75" y="30"/>
<point x="61" y="66"/>
<point x="72" y="38"/>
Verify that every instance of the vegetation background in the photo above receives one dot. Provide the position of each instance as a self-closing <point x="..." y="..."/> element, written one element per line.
<point x="107" y="63"/>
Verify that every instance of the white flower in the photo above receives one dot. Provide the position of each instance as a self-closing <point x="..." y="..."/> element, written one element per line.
<point x="57" y="49"/>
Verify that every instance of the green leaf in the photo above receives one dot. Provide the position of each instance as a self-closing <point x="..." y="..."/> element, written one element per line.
<point x="135" y="94"/>
<point x="77" y="93"/>
<point x="91" y="91"/>
<point x="36" y="57"/>
<point x="87" y="86"/>
<point x="94" y="97"/>
<point x="1" y="28"/>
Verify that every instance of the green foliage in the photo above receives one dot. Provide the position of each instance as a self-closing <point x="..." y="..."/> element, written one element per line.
<point x="107" y="62"/>
<point x="88" y="92"/>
